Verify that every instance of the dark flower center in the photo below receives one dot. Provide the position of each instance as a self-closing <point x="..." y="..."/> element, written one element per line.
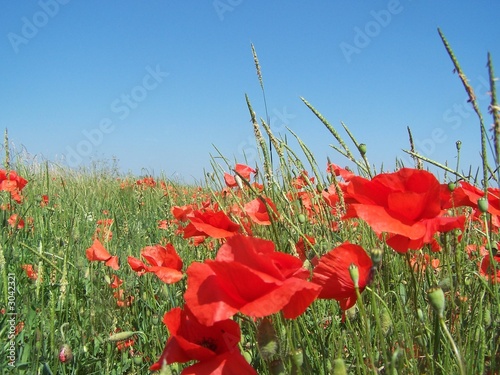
<point x="209" y="343"/>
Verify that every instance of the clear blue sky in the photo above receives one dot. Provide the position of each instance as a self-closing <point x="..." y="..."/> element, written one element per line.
<point x="158" y="84"/>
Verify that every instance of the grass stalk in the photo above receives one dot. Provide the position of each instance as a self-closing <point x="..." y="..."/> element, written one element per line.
<point x="475" y="106"/>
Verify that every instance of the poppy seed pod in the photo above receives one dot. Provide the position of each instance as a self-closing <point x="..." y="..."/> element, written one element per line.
<point x="339" y="367"/>
<point x="482" y="204"/>
<point x="436" y="300"/>
<point x="452" y="186"/>
<point x="354" y="272"/>
<point x="376" y="255"/>
<point x="297" y="357"/>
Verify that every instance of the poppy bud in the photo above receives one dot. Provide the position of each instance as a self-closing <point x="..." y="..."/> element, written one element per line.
<point x="436" y="300"/>
<point x="385" y="321"/>
<point x="452" y="186"/>
<point x="421" y="316"/>
<point x="458" y="144"/>
<point x="301" y="218"/>
<point x="138" y="360"/>
<point x="487" y="317"/>
<point x="362" y="149"/>
<point x="482" y="204"/>
<point x="339" y="367"/>
<point x="248" y="356"/>
<point x="155" y="320"/>
<point x="65" y="353"/>
<point x="376" y="255"/>
<point x="354" y="272"/>
<point x="297" y="358"/>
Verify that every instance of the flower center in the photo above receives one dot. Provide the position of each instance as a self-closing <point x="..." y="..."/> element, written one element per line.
<point x="209" y="343"/>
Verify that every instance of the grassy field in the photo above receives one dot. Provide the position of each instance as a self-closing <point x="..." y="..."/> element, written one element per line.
<point x="293" y="268"/>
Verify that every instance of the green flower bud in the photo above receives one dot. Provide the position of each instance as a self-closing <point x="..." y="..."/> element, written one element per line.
<point x="302" y="218"/>
<point x="487" y="317"/>
<point x="458" y="144"/>
<point x="376" y="255"/>
<point x="339" y="367"/>
<point x="436" y="300"/>
<point x="452" y="186"/>
<point x="482" y="204"/>
<point x="297" y="357"/>
<point x="354" y="272"/>
<point x="362" y="149"/>
<point x="385" y="321"/>
<point x="421" y="316"/>
<point x="138" y="360"/>
<point x="248" y="356"/>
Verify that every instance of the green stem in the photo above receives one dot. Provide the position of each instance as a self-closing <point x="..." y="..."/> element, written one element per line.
<point x="453" y="345"/>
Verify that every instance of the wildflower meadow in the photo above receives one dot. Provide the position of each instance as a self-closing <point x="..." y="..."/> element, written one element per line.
<point x="287" y="266"/>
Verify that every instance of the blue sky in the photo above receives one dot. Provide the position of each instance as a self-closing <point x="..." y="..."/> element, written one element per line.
<point x="158" y="84"/>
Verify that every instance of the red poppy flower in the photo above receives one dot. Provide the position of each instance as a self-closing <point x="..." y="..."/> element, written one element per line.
<point x="332" y="273"/>
<point x="244" y="170"/>
<point x="181" y="212"/>
<point x="250" y="277"/>
<point x="13" y="183"/>
<point x="405" y="204"/>
<point x="230" y="180"/>
<point x="97" y="252"/>
<point x="146" y="182"/>
<point x="339" y="171"/>
<point x="302" y="180"/>
<point x="15" y="221"/>
<point x="163" y="224"/>
<point x="116" y="282"/>
<point x="30" y="272"/>
<point x="257" y="210"/>
<point x="214" y="348"/>
<point x="121" y="300"/>
<point x="164" y="263"/>
<point x="210" y="223"/>
<point x="304" y="249"/>
<point x="44" y="201"/>
<point x="420" y="261"/>
<point x="487" y="270"/>
<point x="467" y="195"/>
